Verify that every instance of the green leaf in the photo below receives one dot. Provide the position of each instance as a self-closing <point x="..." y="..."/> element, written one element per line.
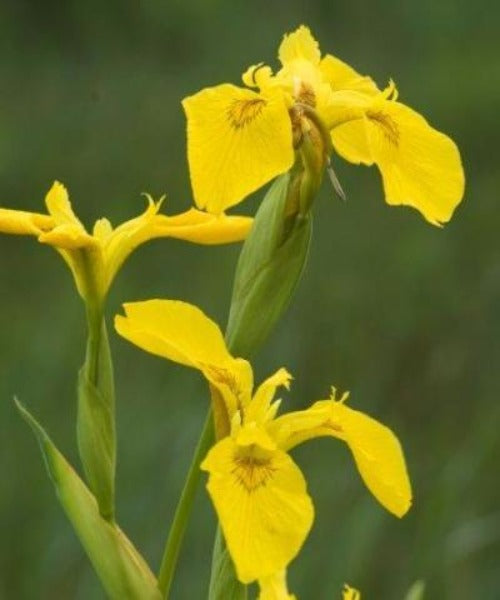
<point x="269" y="268"/>
<point x="224" y="584"/>
<point x="121" y="569"/>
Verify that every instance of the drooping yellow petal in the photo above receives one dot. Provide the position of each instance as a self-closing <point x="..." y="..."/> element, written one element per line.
<point x="67" y="236"/>
<point x="18" y="222"/>
<point x="182" y="333"/>
<point x="174" y="330"/>
<point x="349" y="593"/>
<point x="238" y="140"/>
<point x="420" y="166"/>
<point x="262" y="503"/>
<point x="299" y="45"/>
<point x="376" y="450"/>
<point x="201" y="227"/>
<point x="275" y="587"/>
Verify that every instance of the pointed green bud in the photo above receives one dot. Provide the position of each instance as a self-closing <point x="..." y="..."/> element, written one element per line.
<point x="269" y="268"/>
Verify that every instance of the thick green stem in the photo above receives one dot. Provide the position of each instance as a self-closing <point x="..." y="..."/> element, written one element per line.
<point x="183" y="510"/>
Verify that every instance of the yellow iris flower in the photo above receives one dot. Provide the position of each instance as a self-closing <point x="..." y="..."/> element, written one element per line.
<point x="240" y="138"/>
<point x="94" y="259"/>
<point x="259" y="493"/>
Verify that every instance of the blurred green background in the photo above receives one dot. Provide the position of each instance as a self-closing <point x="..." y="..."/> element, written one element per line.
<point x="403" y="314"/>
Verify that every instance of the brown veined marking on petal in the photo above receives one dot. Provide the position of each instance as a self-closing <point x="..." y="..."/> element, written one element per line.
<point x="252" y="472"/>
<point x="389" y="127"/>
<point x="306" y="95"/>
<point x="221" y="375"/>
<point x="241" y="113"/>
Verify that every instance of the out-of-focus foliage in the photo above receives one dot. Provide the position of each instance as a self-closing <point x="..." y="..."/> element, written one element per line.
<point x="403" y="314"/>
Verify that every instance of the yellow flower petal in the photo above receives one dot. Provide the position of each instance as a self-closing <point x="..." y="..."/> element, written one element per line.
<point x="420" y="166"/>
<point x="275" y="587"/>
<point x="68" y="233"/>
<point x="201" y="227"/>
<point x="67" y="236"/>
<point x="299" y="44"/>
<point x="174" y="330"/>
<point x="262" y="503"/>
<point x="182" y="333"/>
<point x="349" y="593"/>
<point x="238" y="140"/>
<point x="59" y="206"/>
<point x="261" y="408"/>
<point x="19" y="222"/>
<point x="341" y="76"/>
<point x="375" y="448"/>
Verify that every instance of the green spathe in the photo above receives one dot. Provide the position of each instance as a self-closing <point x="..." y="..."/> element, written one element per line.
<point x="121" y="569"/>
<point x="269" y="268"/>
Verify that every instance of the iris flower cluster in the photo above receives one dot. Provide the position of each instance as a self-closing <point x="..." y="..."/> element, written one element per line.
<point x="286" y="125"/>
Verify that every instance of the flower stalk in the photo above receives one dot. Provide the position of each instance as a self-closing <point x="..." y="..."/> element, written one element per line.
<point x="96" y="427"/>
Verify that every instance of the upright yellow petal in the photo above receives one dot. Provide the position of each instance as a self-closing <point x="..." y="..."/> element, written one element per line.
<point x="262" y="503"/>
<point x="349" y="593"/>
<point x="275" y="587"/>
<point x="59" y="206"/>
<point x="299" y="45"/>
<point x="18" y="222"/>
<point x="420" y="166"/>
<point x="68" y="232"/>
<point x="376" y="450"/>
<point x="238" y="140"/>
<point x="341" y="76"/>
<point x="260" y="408"/>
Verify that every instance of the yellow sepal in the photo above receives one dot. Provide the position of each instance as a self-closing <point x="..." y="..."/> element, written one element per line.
<point x="262" y="503"/>
<point x="375" y="449"/>
<point x="420" y="166"/>
<point x="238" y="140"/>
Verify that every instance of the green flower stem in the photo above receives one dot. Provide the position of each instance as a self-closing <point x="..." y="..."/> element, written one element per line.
<point x="183" y="510"/>
<point x="96" y="429"/>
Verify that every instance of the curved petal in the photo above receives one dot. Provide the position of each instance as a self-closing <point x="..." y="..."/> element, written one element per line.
<point x="59" y="206"/>
<point x="376" y="450"/>
<point x="299" y="44"/>
<point x="261" y="408"/>
<point x="420" y="166"/>
<point x="341" y="76"/>
<point x="238" y="140"/>
<point x="67" y="236"/>
<point x="182" y="333"/>
<point x="20" y="222"/>
<point x="68" y="233"/>
<point x="174" y="330"/>
<point x="349" y="593"/>
<point x="262" y="503"/>
<point x="201" y="227"/>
